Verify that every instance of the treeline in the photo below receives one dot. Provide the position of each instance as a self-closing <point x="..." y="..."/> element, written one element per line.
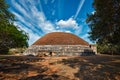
<point x="105" y="26"/>
<point x="10" y="35"/>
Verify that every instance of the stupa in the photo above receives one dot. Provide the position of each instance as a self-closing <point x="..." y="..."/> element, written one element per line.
<point x="59" y="44"/>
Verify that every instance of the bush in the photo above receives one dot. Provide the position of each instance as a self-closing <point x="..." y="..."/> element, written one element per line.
<point x="4" y="50"/>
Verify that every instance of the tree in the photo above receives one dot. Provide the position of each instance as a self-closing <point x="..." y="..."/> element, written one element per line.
<point x="10" y="35"/>
<point x="105" y="25"/>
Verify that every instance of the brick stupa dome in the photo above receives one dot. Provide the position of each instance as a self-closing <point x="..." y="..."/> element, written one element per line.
<point x="60" y="38"/>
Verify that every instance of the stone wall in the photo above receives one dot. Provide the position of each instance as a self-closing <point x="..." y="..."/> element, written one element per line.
<point x="58" y="50"/>
<point x="93" y="47"/>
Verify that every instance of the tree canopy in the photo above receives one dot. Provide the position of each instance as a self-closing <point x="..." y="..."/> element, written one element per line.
<point x="105" y="25"/>
<point x="10" y="35"/>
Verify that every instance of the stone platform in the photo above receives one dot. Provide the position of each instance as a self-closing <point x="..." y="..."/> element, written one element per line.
<point x="58" y="50"/>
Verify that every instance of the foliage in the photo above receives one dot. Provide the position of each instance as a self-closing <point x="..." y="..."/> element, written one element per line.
<point x="105" y="25"/>
<point x="10" y="35"/>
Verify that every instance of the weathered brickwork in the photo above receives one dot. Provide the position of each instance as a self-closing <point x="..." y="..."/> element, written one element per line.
<point x="58" y="50"/>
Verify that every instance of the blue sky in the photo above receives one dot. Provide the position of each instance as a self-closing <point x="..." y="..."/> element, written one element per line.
<point x="39" y="17"/>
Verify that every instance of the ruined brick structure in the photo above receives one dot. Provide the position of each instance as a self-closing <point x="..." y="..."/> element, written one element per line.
<point x="60" y="43"/>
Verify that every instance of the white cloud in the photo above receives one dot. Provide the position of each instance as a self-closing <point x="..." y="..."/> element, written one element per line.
<point x="78" y="30"/>
<point x="68" y="31"/>
<point x="28" y="23"/>
<point x="47" y="27"/>
<point x="32" y="21"/>
<point x="70" y="23"/>
<point x="33" y="37"/>
<point x="20" y="8"/>
<point x="19" y="17"/>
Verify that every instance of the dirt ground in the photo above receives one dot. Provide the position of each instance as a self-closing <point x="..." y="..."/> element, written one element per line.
<point x="99" y="67"/>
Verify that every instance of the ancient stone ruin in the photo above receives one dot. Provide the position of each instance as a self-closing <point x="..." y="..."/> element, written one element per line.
<point x="60" y="44"/>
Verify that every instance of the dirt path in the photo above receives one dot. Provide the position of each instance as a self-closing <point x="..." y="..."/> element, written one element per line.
<point x="60" y="68"/>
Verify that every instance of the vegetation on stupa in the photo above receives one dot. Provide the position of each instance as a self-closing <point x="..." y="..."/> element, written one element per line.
<point x="105" y="25"/>
<point x="11" y="36"/>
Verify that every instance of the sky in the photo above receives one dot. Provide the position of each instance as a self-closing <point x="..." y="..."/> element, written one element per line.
<point x="39" y="17"/>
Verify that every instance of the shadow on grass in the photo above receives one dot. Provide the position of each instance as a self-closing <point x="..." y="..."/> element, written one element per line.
<point x="95" y="67"/>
